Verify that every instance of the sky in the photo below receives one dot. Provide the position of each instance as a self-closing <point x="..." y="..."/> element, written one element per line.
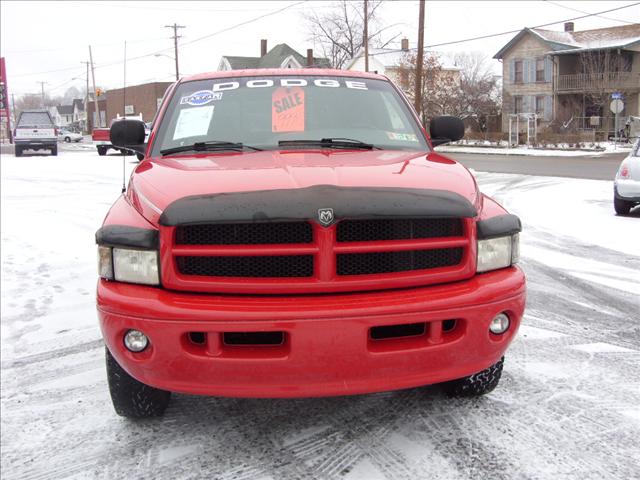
<point x="51" y="46"/>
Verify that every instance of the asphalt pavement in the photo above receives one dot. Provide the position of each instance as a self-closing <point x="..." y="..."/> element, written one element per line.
<point x="589" y="166"/>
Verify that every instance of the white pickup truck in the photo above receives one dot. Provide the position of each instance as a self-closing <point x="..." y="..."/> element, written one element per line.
<point x="35" y="131"/>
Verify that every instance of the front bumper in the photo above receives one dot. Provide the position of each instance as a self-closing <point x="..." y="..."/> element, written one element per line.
<point x="327" y="348"/>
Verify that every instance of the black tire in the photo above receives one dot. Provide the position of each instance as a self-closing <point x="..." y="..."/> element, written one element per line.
<point x="54" y="151"/>
<point x="622" y="207"/>
<point x="131" y="398"/>
<point x="102" y="151"/>
<point x="18" y="151"/>
<point x="67" y="139"/>
<point x="477" y="384"/>
<point x="140" y="156"/>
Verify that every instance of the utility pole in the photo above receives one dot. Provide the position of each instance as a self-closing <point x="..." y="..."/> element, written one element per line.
<point x="86" y="101"/>
<point x="42" y="84"/>
<point x="366" y="37"/>
<point x="175" y="37"/>
<point x="95" y="93"/>
<point x="419" y="60"/>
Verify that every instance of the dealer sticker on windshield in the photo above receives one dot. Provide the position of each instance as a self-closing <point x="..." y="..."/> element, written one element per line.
<point x="202" y="97"/>
<point x="402" y="137"/>
<point x="193" y="122"/>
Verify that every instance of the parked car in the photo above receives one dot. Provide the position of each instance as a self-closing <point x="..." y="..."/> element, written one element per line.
<point x="68" y="136"/>
<point x="35" y="130"/>
<point x="626" y="186"/>
<point x="292" y="233"/>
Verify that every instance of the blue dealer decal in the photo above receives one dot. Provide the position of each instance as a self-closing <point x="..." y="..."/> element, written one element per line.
<point x="201" y="98"/>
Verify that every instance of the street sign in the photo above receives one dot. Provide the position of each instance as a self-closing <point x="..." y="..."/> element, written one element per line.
<point x="616" y="96"/>
<point x="617" y="106"/>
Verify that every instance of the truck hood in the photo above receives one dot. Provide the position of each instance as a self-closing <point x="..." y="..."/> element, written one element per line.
<point x="156" y="183"/>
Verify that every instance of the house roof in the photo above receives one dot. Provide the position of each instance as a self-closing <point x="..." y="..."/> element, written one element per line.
<point x="390" y="58"/>
<point x="573" y="42"/>
<point x="78" y="102"/>
<point x="274" y="59"/>
<point x="65" y="109"/>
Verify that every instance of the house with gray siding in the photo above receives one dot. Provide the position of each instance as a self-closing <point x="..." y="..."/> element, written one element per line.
<point x="280" y="56"/>
<point x="568" y="78"/>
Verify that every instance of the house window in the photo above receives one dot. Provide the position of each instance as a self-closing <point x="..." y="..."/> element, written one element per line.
<point x="517" y="104"/>
<point x="540" y="105"/>
<point x="540" y="70"/>
<point x="518" y="71"/>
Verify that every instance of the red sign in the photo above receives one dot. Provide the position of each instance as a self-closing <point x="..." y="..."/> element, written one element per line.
<point x="287" y="110"/>
<point x="4" y="96"/>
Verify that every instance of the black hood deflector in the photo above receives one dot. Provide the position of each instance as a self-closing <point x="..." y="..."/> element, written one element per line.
<point x="304" y="203"/>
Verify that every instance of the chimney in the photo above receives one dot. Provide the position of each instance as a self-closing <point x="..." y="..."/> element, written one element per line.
<point x="309" y="57"/>
<point x="263" y="47"/>
<point x="404" y="44"/>
<point x="568" y="27"/>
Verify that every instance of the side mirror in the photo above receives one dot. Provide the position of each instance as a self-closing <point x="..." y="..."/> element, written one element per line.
<point x="128" y="134"/>
<point x="445" y="129"/>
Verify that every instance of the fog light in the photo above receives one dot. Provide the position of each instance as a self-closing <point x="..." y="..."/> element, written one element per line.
<point x="135" y="341"/>
<point x="499" y="324"/>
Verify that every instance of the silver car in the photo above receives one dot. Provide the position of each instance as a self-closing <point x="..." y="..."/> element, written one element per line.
<point x="626" y="186"/>
<point x="68" y="136"/>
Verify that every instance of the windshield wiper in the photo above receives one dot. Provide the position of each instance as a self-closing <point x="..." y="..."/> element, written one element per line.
<point x="210" y="146"/>
<point x="335" y="142"/>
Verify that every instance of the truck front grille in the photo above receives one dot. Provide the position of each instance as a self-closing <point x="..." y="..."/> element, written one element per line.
<point x="250" y="267"/>
<point x="398" y="229"/>
<point x="244" y="233"/>
<point x="388" y="262"/>
<point x="305" y="257"/>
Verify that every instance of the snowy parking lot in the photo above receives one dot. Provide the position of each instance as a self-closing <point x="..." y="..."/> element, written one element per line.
<point x="568" y="405"/>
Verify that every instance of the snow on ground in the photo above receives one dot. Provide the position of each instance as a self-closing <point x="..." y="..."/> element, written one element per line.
<point x="607" y="147"/>
<point x="567" y="406"/>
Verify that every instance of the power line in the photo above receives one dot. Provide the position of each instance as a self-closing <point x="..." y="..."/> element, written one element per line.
<point x="482" y="37"/>
<point x="582" y="11"/>
<point x="151" y="54"/>
<point x="275" y="12"/>
<point x="241" y="24"/>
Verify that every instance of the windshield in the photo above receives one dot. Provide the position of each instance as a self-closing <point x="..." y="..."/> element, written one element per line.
<point x="263" y="111"/>
<point x="29" y="119"/>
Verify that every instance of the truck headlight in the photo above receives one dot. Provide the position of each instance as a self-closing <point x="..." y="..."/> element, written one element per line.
<point x="498" y="252"/>
<point x="127" y="265"/>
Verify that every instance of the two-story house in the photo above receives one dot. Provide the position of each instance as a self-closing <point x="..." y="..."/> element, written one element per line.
<point x="393" y="64"/>
<point x="568" y="78"/>
<point x="62" y="115"/>
<point x="280" y="56"/>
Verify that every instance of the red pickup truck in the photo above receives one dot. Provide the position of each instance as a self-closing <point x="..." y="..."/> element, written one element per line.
<point x="292" y="233"/>
<point x="102" y="140"/>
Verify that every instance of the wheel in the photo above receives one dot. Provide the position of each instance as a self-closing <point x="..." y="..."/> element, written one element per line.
<point x="18" y="151"/>
<point x="131" y="398"/>
<point x="622" y="207"/>
<point x="67" y="139"/>
<point x="102" y="151"/>
<point x="54" y="151"/>
<point x="476" y="384"/>
<point x="140" y="156"/>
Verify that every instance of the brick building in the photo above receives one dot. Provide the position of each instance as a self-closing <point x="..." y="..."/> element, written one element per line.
<point x="91" y="112"/>
<point x="137" y="99"/>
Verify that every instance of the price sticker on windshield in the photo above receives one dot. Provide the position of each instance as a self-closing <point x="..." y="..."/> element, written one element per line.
<point x="287" y="110"/>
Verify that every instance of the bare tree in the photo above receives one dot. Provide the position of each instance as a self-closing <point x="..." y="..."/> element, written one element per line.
<point x="479" y="95"/>
<point x="438" y="86"/>
<point x="33" y="101"/>
<point x="602" y="72"/>
<point x="470" y="91"/>
<point x="339" y="32"/>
